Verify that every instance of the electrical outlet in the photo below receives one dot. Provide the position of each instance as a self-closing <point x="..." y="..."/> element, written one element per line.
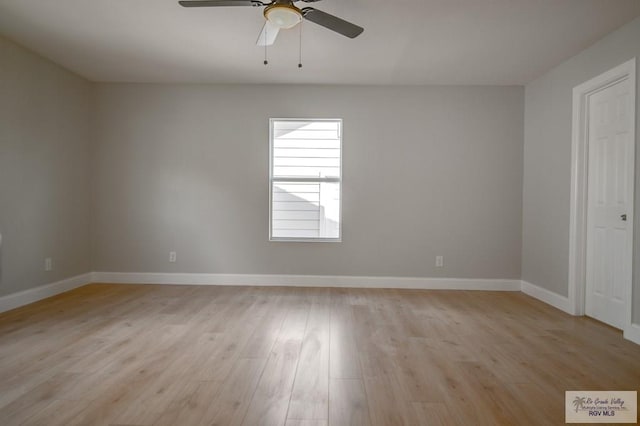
<point x="172" y="256"/>
<point x="439" y="261"/>
<point x="48" y="264"/>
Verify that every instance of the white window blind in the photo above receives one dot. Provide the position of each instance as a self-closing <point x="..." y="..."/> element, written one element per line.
<point x="305" y="179"/>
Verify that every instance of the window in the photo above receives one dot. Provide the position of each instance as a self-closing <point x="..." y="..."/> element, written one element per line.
<point x="305" y="177"/>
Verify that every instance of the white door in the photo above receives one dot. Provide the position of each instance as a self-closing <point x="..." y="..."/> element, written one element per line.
<point x="610" y="203"/>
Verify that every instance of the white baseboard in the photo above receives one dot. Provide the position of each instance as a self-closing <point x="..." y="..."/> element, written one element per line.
<point x="632" y="332"/>
<point x="15" y="300"/>
<point x="557" y="301"/>
<point x="307" y="281"/>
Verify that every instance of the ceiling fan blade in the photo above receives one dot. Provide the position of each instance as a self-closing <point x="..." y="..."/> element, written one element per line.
<point x="268" y="34"/>
<point x="332" y="22"/>
<point x="212" y="3"/>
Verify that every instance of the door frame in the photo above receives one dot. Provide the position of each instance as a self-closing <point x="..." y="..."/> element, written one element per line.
<point x="579" y="187"/>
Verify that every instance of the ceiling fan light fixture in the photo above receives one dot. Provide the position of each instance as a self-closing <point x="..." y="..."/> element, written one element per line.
<point x="283" y="16"/>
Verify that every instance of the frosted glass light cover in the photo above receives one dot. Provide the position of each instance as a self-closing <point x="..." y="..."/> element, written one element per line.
<point x="283" y="17"/>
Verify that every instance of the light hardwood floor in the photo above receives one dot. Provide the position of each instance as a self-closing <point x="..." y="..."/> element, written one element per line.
<point x="181" y="355"/>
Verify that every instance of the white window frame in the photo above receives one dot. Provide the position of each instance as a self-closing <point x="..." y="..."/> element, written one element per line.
<point x="303" y="179"/>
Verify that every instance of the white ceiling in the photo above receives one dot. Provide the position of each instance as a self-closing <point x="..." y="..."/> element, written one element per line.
<point x="500" y="42"/>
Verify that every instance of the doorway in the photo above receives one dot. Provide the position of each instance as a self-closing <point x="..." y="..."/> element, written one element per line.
<point x="602" y="178"/>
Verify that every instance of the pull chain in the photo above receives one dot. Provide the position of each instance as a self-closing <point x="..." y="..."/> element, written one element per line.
<point x="300" y="48"/>
<point x="266" y="62"/>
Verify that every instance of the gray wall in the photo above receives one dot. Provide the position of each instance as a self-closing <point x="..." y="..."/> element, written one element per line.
<point x="427" y="171"/>
<point x="44" y="175"/>
<point x="547" y="161"/>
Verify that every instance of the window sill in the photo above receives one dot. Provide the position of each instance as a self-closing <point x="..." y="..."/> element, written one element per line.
<point x="305" y="240"/>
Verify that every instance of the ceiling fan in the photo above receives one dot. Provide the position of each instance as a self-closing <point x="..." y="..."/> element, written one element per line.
<point x="282" y="15"/>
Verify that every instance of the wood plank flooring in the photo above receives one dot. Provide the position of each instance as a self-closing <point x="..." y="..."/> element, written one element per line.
<point x="185" y="355"/>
